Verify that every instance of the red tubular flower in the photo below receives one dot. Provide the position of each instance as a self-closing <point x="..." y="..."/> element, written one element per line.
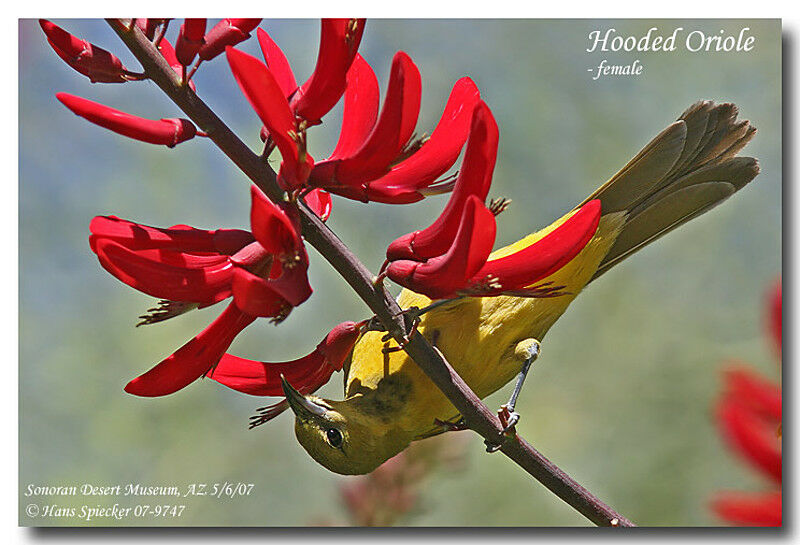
<point x="193" y="359"/>
<point x="411" y="180"/>
<point x="446" y="275"/>
<point x="169" y="54"/>
<point x="227" y="32"/>
<point x="386" y="140"/>
<point x="96" y="63"/>
<point x="474" y="178"/>
<point x="749" y="415"/>
<point x="265" y="96"/>
<point x="266" y="277"/>
<point x="277" y="63"/>
<point x="166" y="274"/>
<point x="188" y="239"/>
<point x="339" y="41"/>
<point x="307" y="374"/>
<point x="513" y="273"/>
<point x="749" y="508"/>
<point x="190" y="40"/>
<point x="168" y="132"/>
<point x="192" y="268"/>
<point x="276" y="227"/>
<point x="361" y="102"/>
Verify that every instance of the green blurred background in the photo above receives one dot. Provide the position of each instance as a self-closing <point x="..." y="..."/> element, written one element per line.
<point x="621" y="397"/>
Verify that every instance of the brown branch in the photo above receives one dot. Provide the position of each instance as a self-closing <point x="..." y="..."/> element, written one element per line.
<point x="477" y="415"/>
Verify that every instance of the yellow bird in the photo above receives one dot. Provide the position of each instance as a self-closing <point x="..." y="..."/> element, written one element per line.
<point x="389" y="402"/>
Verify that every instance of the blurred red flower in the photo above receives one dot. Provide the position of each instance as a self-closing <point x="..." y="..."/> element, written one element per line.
<point x="749" y="418"/>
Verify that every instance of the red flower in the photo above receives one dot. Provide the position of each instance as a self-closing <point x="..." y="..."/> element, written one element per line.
<point x="412" y="179"/>
<point x="169" y="54"/>
<point x="513" y="273"/>
<point x="474" y="178"/>
<point x="96" y="63"/>
<point x="168" y="132"/>
<point x="227" y="32"/>
<point x="444" y="276"/>
<point x="190" y="40"/>
<point x="338" y="48"/>
<point x="749" y="415"/>
<point x="264" y="271"/>
<point x="387" y="137"/>
<point x="307" y="374"/>
<point x="399" y="174"/>
<point x="277" y="64"/>
<point x="267" y="99"/>
<point x="338" y="44"/>
<point x="450" y="257"/>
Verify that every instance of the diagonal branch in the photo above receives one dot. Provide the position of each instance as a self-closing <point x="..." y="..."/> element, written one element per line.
<point x="477" y="415"/>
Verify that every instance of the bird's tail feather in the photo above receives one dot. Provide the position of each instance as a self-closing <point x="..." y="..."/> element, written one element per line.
<point x="686" y="170"/>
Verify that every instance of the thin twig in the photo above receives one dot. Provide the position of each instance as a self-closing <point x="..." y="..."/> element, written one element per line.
<point x="477" y="415"/>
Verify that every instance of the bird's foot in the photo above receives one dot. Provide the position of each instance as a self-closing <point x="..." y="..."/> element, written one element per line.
<point x="508" y="419"/>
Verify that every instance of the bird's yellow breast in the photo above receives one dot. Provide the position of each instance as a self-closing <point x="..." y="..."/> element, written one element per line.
<point x="476" y="335"/>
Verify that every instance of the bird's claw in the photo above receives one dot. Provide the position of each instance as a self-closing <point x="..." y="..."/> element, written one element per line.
<point x="508" y="419"/>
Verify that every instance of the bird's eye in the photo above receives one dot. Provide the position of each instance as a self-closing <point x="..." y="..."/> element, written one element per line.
<point x="334" y="437"/>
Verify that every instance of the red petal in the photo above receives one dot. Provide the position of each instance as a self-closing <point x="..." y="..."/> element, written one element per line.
<point x="338" y="45"/>
<point x="168" y="132"/>
<point x="96" y="63"/>
<point x="319" y="201"/>
<point x="227" y="32"/>
<point x="168" y="275"/>
<point x="748" y="388"/>
<point x="190" y="40"/>
<point x="475" y="178"/>
<point x="272" y="226"/>
<point x="386" y="195"/>
<point x="361" y="101"/>
<point x="254" y="296"/>
<point x="749" y="508"/>
<point x="277" y="63"/>
<point x="170" y="56"/>
<point x="393" y="129"/>
<point x="292" y="284"/>
<point x="306" y="374"/>
<point x="265" y="95"/>
<point x="756" y="440"/>
<point x="441" y="277"/>
<point x="193" y="359"/>
<point x="545" y="256"/>
<point x="339" y="342"/>
<point x="264" y="379"/>
<point x="440" y="152"/>
<point x="135" y="236"/>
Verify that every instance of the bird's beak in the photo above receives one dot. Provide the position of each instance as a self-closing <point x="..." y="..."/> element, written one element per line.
<point x="300" y="404"/>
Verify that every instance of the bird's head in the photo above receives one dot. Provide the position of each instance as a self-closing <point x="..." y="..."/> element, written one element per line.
<point x="339" y="435"/>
